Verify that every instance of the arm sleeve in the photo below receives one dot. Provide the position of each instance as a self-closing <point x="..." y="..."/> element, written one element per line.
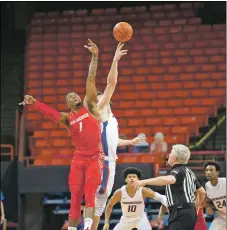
<point x="178" y="174"/>
<point x="53" y="114"/>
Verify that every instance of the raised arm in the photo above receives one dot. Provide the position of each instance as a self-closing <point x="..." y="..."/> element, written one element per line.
<point x="53" y="114"/>
<point x="112" y="78"/>
<point x="91" y="91"/>
<point x="113" y="200"/>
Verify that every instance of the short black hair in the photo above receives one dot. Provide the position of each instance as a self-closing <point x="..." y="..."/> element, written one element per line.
<point x="132" y="170"/>
<point x="213" y="163"/>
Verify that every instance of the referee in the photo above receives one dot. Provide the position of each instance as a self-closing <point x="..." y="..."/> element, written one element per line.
<point x="181" y="186"/>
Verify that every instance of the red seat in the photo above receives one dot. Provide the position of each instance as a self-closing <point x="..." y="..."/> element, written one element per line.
<point x="170" y="82"/>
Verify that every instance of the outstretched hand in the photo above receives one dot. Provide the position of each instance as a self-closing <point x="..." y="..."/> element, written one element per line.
<point x="137" y="140"/>
<point x="28" y="100"/>
<point x="92" y="47"/>
<point x="119" y="53"/>
<point x="138" y="184"/>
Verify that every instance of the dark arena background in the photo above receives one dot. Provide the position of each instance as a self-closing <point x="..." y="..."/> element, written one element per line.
<point x="173" y="81"/>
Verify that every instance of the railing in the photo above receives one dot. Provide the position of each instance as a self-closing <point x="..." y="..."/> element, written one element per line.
<point x="21" y="138"/>
<point x="209" y="133"/>
<point x="17" y="120"/>
<point x="147" y="158"/>
<point x="12" y="225"/>
<point x="9" y="152"/>
<point x="214" y="153"/>
<point x="131" y="158"/>
<point x="28" y="159"/>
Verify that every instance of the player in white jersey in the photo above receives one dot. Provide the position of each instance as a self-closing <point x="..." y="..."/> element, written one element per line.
<point x="110" y="138"/>
<point x="132" y="203"/>
<point x="216" y="195"/>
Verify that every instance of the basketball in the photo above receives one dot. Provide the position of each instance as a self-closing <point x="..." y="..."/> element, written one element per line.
<point x="122" y="32"/>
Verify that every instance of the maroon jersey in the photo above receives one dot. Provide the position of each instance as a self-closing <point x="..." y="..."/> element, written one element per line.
<point x="86" y="133"/>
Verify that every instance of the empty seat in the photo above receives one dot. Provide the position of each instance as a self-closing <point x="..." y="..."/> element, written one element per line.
<point x="169" y="83"/>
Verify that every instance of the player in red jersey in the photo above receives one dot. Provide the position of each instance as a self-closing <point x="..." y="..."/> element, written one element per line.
<point x="84" y="124"/>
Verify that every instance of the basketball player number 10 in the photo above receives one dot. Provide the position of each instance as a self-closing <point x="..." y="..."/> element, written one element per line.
<point x="131" y="208"/>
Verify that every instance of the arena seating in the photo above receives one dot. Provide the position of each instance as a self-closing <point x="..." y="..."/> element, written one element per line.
<point x="172" y="79"/>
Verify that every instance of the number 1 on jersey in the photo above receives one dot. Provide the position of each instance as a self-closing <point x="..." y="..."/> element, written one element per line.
<point x="81" y="126"/>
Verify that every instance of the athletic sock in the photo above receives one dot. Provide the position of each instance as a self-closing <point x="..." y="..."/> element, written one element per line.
<point x="72" y="228"/>
<point x="88" y="223"/>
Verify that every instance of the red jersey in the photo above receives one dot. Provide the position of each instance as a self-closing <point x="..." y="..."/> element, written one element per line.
<point x="86" y="133"/>
<point x="201" y="222"/>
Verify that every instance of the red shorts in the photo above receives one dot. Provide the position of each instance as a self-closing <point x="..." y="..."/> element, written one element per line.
<point x="201" y="222"/>
<point x="84" y="167"/>
<point x="84" y="178"/>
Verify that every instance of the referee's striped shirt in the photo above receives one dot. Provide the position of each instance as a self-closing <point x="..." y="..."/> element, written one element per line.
<point x="183" y="191"/>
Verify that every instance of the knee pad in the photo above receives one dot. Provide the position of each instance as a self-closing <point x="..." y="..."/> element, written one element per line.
<point x="100" y="203"/>
<point x="90" y="192"/>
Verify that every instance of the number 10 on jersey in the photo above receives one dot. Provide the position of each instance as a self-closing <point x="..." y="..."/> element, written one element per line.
<point x="131" y="208"/>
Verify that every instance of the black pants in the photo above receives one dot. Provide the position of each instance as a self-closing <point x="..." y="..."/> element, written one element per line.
<point x="183" y="218"/>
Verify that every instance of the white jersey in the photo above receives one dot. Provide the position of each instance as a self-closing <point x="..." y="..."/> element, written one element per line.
<point x="110" y="135"/>
<point x="132" y="207"/>
<point x="218" y="195"/>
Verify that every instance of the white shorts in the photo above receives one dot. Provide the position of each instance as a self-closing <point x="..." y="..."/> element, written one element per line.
<point x="130" y="223"/>
<point x="219" y="223"/>
<point x="101" y="199"/>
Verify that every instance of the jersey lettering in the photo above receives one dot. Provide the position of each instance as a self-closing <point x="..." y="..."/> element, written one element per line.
<point x="79" y="118"/>
<point x="85" y="132"/>
<point x="221" y="204"/>
<point x="132" y="208"/>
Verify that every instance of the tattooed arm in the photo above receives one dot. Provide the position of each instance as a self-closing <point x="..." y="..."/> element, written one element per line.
<point x="91" y="91"/>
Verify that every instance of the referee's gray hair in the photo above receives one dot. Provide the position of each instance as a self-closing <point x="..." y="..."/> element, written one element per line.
<point x="182" y="153"/>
